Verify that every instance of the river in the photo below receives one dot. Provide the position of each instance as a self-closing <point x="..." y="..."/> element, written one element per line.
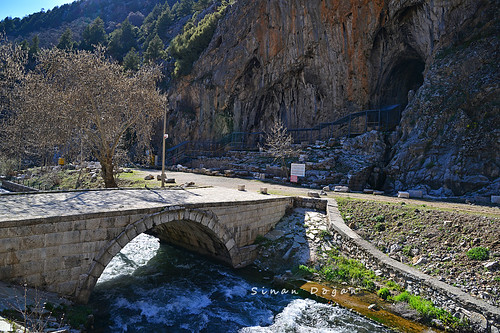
<point x="153" y="287"/>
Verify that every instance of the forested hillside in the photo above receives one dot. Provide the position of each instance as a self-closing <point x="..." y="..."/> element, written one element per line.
<point x="133" y="31"/>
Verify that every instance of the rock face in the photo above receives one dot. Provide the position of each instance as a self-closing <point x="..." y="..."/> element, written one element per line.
<point x="312" y="61"/>
<point x="450" y="131"/>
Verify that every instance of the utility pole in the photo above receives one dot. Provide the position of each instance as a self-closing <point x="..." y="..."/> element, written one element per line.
<point x="165" y="136"/>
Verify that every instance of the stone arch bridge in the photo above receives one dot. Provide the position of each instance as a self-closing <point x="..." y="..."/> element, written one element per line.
<point x="62" y="242"/>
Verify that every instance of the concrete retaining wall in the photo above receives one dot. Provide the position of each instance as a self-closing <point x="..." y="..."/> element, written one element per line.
<point x="482" y="316"/>
<point x="14" y="187"/>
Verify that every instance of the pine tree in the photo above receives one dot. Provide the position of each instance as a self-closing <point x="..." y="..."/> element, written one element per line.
<point x="154" y="51"/>
<point x="164" y="21"/>
<point x="128" y="36"/>
<point x="131" y="61"/>
<point x="94" y="34"/>
<point x="34" y="46"/>
<point x="66" y="40"/>
<point x="122" y="40"/>
<point x="183" y="8"/>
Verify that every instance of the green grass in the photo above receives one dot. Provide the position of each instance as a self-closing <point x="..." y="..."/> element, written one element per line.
<point x="427" y="309"/>
<point x="478" y="253"/>
<point x="341" y="269"/>
<point x="324" y="234"/>
<point x="383" y="293"/>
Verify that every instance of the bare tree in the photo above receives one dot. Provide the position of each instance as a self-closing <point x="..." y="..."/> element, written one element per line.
<point x="12" y="72"/>
<point x="83" y="95"/>
<point x="278" y="143"/>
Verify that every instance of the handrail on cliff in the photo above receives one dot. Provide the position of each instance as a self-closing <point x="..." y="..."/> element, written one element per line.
<point x="384" y="118"/>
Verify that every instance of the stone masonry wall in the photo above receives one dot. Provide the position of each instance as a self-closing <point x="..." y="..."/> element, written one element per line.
<point x="59" y="254"/>
<point x="54" y="253"/>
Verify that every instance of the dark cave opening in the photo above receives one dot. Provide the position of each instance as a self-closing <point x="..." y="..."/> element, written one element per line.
<point x="406" y="75"/>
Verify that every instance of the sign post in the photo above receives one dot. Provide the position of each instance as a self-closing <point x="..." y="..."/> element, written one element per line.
<point x="297" y="170"/>
<point x="165" y="137"/>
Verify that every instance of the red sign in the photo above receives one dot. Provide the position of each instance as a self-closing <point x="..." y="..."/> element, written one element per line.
<point x="294" y="178"/>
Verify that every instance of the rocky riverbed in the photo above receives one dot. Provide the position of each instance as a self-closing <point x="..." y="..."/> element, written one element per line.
<point x="298" y="239"/>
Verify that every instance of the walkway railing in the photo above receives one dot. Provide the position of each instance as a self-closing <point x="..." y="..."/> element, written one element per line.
<point x="383" y="119"/>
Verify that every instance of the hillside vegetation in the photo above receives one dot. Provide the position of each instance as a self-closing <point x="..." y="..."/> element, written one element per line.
<point x="133" y="31"/>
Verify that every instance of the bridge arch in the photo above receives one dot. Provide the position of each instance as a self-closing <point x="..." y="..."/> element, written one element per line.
<point x="202" y="228"/>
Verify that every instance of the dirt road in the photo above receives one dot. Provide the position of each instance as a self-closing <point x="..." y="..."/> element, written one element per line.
<point x="281" y="189"/>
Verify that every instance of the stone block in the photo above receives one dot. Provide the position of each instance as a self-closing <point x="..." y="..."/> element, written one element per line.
<point x="416" y="193"/>
<point x="341" y="189"/>
<point x="313" y="194"/>
<point x="72" y="261"/>
<point x="160" y="219"/>
<point x="100" y="234"/>
<point x="149" y="222"/>
<point x="40" y="229"/>
<point x="140" y="226"/>
<point x="205" y="220"/>
<point x="86" y="236"/>
<point x="114" y="249"/>
<point x="263" y="190"/>
<point x="230" y="244"/>
<point x="92" y="224"/>
<point x="67" y="288"/>
<point x="53" y="239"/>
<point x="95" y="271"/>
<point x="105" y="258"/>
<point x="192" y="215"/>
<point x="378" y="192"/>
<point x="112" y="233"/>
<point x="63" y="226"/>
<point x="131" y="232"/>
<point x="405" y="195"/>
<point x="71" y="237"/>
<point x="495" y="199"/>
<point x="68" y="249"/>
<point x="33" y="242"/>
<point x="123" y="239"/>
<point x="241" y="187"/>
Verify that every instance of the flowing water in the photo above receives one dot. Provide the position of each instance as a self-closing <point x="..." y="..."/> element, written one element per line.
<point x="150" y="287"/>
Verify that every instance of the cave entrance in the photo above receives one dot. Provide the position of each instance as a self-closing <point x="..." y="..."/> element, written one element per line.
<point x="405" y="75"/>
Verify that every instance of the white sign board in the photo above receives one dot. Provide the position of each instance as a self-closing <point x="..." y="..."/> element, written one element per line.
<point x="298" y="170"/>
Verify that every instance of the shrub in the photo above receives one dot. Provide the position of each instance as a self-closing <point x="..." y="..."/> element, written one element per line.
<point x="260" y="240"/>
<point x="383" y="293"/>
<point x="380" y="226"/>
<point x="306" y="270"/>
<point x="407" y="250"/>
<point x="379" y="218"/>
<point x="478" y="253"/>
<point x="369" y="284"/>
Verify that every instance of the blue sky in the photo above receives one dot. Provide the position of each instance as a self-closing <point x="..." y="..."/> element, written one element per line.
<point x="21" y="8"/>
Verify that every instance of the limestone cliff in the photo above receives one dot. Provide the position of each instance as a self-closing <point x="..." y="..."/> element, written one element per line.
<point x="311" y="61"/>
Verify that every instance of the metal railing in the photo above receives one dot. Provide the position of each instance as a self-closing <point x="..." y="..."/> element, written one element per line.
<point x="382" y="119"/>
